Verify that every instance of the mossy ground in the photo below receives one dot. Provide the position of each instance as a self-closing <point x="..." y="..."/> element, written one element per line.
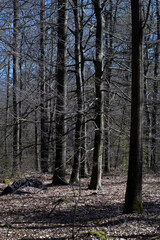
<point x="97" y="234"/>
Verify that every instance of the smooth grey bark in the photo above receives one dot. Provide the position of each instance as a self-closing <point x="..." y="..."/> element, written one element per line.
<point x="133" y="197"/>
<point x="44" y="126"/>
<point x="16" y="167"/>
<point x="155" y="95"/>
<point x="95" y="182"/>
<point x="60" y="160"/>
<point x="77" y="147"/>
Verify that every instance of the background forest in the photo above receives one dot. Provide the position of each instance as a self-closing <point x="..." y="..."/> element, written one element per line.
<point x="79" y="108"/>
<point x="53" y="54"/>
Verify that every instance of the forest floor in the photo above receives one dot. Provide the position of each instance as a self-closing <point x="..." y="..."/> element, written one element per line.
<point x="74" y="212"/>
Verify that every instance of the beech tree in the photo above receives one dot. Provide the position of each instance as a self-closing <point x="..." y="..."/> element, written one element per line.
<point x="95" y="182"/>
<point x="60" y="161"/>
<point x="108" y="16"/>
<point x="77" y="149"/>
<point x="16" y="166"/>
<point x="44" y="126"/>
<point x="155" y="93"/>
<point x="133" y="198"/>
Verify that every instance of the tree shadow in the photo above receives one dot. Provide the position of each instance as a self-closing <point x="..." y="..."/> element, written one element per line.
<point x="63" y="216"/>
<point x="139" y="236"/>
<point x="46" y="238"/>
<point x="111" y="213"/>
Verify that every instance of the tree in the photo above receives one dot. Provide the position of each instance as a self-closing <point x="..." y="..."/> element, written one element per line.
<point x="108" y="63"/>
<point x="60" y="161"/>
<point x="133" y="197"/>
<point x="20" y="100"/>
<point x="155" y="94"/>
<point x="77" y="148"/>
<point x="95" y="182"/>
<point x="44" y="127"/>
<point x="16" y="166"/>
<point x="83" y="163"/>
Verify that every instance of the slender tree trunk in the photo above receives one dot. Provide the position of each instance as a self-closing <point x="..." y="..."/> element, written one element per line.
<point x="77" y="147"/>
<point x="95" y="182"/>
<point x="117" y="157"/>
<point x="37" y="162"/>
<point x="147" y="131"/>
<point x="83" y="169"/>
<point x="133" y="198"/>
<point x="44" y="127"/>
<point x="16" y="167"/>
<point x="155" y="94"/>
<point x="6" y="113"/>
<point x="51" y="102"/>
<point x="60" y="161"/>
<point x="108" y="64"/>
<point x="20" y="103"/>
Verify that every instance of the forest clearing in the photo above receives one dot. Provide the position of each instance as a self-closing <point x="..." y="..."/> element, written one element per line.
<point x="74" y="212"/>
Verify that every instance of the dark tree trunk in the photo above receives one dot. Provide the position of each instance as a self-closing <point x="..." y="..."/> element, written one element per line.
<point x="16" y="167"/>
<point x="155" y="95"/>
<point x="95" y="182"/>
<point x="51" y="102"/>
<point x="6" y="113"/>
<point x="77" y="147"/>
<point x="60" y="161"/>
<point x="44" y="126"/>
<point x="133" y="198"/>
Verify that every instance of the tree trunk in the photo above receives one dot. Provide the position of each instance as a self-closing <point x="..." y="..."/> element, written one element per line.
<point x="147" y="131"/>
<point x="108" y="64"/>
<point x="20" y="103"/>
<point x="155" y="94"/>
<point x="77" y="147"/>
<point x="37" y="162"/>
<point x="44" y="127"/>
<point x="95" y="182"/>
<point x="83" y="164"/>
<point x="117" y="157"/>
<point x="133" y="198"/>
<point x="51" y="102"/>
<point x="16" y="167"/>
<point x="6" y="113"/>
<point x="60" y="161"/>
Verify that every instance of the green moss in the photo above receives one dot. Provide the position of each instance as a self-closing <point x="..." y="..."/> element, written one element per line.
<point x="74" y="180"/>
<point x="133" y="207"/>
<point x="5" y="225"/>
<point x="6" y="181"/>
<point x="155" y="238"/>
<point x="137" y="206"/>
<point x="97" y="234"/>
<point x="62" y="200"/>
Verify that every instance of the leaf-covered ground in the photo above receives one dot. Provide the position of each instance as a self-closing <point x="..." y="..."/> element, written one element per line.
<point x="74" y="212"/>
